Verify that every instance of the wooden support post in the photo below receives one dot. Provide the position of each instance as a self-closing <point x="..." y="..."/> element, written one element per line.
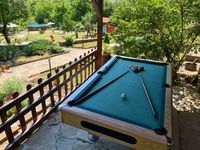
<point x="99" y="35"/>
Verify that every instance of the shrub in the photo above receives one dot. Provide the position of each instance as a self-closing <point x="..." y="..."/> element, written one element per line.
<point x="41" y="31"/>
<point x="107" y="39"/>
<point x="9" y="86"/>
<point x="38" y="47"/>
<point x="69" y="41"/>
<point x="55" y="48"/>
<point x="8" y="53"/>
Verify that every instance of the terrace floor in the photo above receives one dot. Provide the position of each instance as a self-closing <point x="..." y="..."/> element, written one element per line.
<point x="54" y="135"/>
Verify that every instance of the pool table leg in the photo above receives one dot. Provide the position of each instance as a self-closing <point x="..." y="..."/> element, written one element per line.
<point x="93" y="137"/>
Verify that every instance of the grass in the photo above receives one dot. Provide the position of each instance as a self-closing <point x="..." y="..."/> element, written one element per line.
<point x="85" y="45"/>
<point x="35" y="35"/>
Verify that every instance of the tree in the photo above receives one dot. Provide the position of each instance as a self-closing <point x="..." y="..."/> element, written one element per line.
<point x="88" y="20"/>
<point x="43" y="10"/>
<point x="80" y="8"/>
<point x="11" y="10"/>
<point x="62" y="15"/>
<point x="108" y="8"/>
<point x="163" y="29"/>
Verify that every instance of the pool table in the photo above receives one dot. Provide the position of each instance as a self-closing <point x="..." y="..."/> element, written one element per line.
<point x="132" y="108"/>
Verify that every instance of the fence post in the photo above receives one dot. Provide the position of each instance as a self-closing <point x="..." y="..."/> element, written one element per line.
<point x="57" y="83"/>
<point x="50" y="87"/>
<point x="64" y="78"/>
<point x="19" y="108"/>
<point x="41" y="94"/>
<point x="31" y="99"/>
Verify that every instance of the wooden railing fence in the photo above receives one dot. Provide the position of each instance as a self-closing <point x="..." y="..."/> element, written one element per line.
<point x="42" y="99"/>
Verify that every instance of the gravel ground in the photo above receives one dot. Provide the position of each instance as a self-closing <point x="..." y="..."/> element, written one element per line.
<point x="186" y="101"/>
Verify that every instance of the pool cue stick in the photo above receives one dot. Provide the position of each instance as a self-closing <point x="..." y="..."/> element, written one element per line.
<point x="74" y="102"/>
<point x="148" y="97"/>
<point x="137" y="70"/>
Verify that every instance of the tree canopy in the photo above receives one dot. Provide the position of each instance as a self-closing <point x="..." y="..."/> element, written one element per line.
<point x="158" y="29"/>
<point x="11" y="11"/>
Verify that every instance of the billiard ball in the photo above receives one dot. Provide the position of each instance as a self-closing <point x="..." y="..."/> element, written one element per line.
<point x="123" y="96"/>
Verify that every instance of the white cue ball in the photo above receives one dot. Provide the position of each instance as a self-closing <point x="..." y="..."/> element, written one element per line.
<point x="123" y="96"/>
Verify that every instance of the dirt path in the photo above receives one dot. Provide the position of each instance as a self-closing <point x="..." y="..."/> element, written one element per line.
<point x="27" y="70"/>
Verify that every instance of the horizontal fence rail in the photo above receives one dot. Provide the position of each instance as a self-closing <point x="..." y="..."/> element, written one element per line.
<point x="42" y="100"/>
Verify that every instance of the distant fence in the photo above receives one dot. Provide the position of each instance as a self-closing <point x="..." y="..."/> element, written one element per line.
<point x="43" y="100"/>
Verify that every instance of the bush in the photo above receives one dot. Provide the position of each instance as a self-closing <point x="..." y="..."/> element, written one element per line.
<point x="38" y="47"/>
<point x="8" y="53"/>
<point x="10" y="86"/>
<point x="55" y="48"/>
<point x="107" y="39"/>
<point x="41" y="31"/>
<point x="69" y="41"/>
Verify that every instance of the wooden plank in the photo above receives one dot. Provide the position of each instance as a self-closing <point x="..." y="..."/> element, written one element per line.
<point x="7" y="129"/>
<point x="50" y="88"/>
<point x="99" y="36"/>
<point x="44" y="109"/>
<point x="85" y="71"/>
<point x="71" y="79"/>
<point x="76" y="70"/>
<point x="64" y="78"/>
<point x="19" y="108"/>
<point x="57" y="83"/>
<point x="31" y="100"/>
<point x="81" y="72"/>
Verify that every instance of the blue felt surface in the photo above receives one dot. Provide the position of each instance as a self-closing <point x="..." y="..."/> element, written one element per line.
<point x="135" y="109"/>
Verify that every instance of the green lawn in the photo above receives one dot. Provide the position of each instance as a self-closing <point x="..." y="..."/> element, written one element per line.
<point x="25" y="36"/>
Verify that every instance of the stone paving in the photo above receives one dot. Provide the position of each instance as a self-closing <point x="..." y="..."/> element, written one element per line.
<point x="54" y="135"/>
<point x="30" y="69"/>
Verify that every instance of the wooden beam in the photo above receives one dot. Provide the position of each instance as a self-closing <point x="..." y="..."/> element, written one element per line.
<point x="96" y="7"/>
<point x="99" y="34"/>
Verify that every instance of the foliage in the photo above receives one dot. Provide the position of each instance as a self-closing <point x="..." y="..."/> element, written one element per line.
<point x="69" y="41"/>
<point x="107" y="39"/>
<point x="108" y="8"/>
<point x="41" y="31"/>
<point x="80" y="8"/>
<point x="10" y="86"/>
<point x="38" y="47"/>
<point x="42" y="10"/>
<point x="55" y="48"/>
<point x="8" y="53"/>
<point x="62" y="16"/>
<point x="88" y="20"/>
<point x="161" y="29"/>
<point x="11" y="10"/>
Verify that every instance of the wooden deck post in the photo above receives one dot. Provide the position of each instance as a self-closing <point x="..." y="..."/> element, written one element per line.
<point x="98" y="6"/>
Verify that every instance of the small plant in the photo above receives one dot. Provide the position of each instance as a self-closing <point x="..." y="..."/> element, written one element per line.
<point x="10" y="86"/>
<point x="8" y="53"/>
<point x="106" y="49"/>
<point x="55" y="48"/>
<point x="69" y="41"/>
<point x="107" y="39"/>
<point x="76" y="34"/>
<point x="41" y="31"/>
<point x="38" y="47"/>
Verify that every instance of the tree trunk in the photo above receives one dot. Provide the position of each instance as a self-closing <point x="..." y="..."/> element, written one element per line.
<point x="5" y="33"/>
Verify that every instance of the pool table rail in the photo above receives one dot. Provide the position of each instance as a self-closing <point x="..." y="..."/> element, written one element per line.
<point x="147" y="139"/>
